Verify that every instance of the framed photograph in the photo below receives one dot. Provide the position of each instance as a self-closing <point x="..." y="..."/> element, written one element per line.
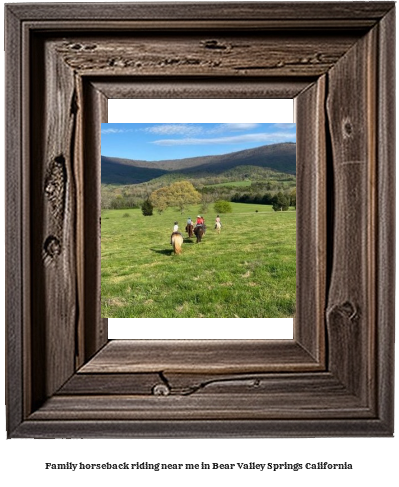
<point x="65" y="378"/>
<point x="227" y="192"/>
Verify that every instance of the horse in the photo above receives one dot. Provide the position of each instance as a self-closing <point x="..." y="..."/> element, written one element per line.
<point x="199" y="232"/>
<point x="177" y="241"/>
<point x="190" y="230"/>
<point x="218" y="226"/>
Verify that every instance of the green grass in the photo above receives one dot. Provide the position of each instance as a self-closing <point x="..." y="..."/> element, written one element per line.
<point x="248" y="271"/>
<point x="238" y="184"/>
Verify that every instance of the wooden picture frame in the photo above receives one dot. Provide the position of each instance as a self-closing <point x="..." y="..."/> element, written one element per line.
<point x="335" y="378"/>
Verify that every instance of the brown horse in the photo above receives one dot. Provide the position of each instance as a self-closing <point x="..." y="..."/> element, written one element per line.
<point x="190" y="230"/>
<point x="177" y="241"/>
<point x="199" y="232"/>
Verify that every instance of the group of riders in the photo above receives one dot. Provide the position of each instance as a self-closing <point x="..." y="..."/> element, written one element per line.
<point x="200" y="222"/>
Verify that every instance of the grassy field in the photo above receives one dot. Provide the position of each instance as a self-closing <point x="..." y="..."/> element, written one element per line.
<point x="235" y="184"/>
<point x="248" y="271"/>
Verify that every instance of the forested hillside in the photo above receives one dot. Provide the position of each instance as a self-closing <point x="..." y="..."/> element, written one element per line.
<point x="127" y="183"/>
<point x="280" y="157"/>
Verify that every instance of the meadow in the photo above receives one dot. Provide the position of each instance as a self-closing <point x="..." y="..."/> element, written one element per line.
<point x="233" y="184"/>
<point x="246" y="271"/>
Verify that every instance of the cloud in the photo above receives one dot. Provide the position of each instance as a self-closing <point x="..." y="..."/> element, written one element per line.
<point x="195" y="129"/>
<point x="240" y="126"/>
<point x="231" y="127"/>
<point x="285" y="126"/>
<point x="174" y="129"/>
<point x="238" y="139"/>
<point x="115" y="131"/>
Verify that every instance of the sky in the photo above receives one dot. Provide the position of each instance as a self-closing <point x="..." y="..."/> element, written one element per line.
<point x="161" y="141"/>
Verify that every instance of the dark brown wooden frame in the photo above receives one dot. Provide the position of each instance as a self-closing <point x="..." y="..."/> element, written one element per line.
<point x="64" y="378"/>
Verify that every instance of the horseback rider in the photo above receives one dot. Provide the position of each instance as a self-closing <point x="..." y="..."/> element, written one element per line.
<point x="189" y="227"/>
<point x="201" y="222"/>
<point x="218" y="221"/>
<point x="175" y="231"/>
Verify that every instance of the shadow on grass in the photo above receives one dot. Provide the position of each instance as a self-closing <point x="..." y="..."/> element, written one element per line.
<point x="163" y="251"/>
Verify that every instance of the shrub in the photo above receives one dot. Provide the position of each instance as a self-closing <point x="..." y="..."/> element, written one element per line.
<point x="280" y="202"/>
<point x="147" y="208"/>
<point x="223" y="206"/>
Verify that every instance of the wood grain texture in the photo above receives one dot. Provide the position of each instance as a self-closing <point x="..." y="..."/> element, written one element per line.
<point x="203" y="407"/>
<point x="338" y="65"/>
<point x="201" y="356"/>
<point x="175" y="87"/>
<point x="269" y="396"/>
<point x="95" y="330"/>
<point x="78" y="174"/>
<point x="241" y="54"/>
<point x="54" y="235"/>
<point x="352" y="129"/>
<point x="282" y="11"/>
<point x="298" y="24"/>
<point x="103" y="109"/>
<point x="311" y="227"/>
<point x="117" y="428"/>
<point x="185" y="384"/>
<point x="111" y="384"/>
<point x="385" y="245"/>
<point x="14" y="207"/>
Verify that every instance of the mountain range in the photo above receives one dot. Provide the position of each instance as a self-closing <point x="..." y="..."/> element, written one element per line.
<point x="280" y="157"/>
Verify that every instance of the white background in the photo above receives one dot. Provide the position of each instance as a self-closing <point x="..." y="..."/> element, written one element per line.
<point x="374" y="460"/>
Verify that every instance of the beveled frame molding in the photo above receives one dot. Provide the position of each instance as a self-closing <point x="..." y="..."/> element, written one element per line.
<point x="64" y="378"/>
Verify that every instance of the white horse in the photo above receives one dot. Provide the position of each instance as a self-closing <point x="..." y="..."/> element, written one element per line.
<point x="218" y="226"/>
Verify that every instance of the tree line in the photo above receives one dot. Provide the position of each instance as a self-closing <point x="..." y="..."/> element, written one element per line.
<point x="280" y="199"/>
<point x="125" y="200"/>
<point x="251" y="183"/>
<point x="183" y="194"/>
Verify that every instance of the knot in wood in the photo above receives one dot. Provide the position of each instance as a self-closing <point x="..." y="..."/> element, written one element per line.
<point x="90" y="47"/>
<point x="213" y="44"/>
<point x="50" y="188"/>
<point x="346" y="310"/>
<point x="52" y="246"/>
<point x="54" y="187"/>
<point x="347" y="128"/>
<point x="161" y="390"/>
<point x="349" y="310"/>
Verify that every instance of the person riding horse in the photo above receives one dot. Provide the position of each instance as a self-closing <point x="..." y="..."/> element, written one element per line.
<point x="190" y="227"/>
<point x="201" y="222"/>
<point x="218" y="224"/>
<point x="175" y="232"/>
